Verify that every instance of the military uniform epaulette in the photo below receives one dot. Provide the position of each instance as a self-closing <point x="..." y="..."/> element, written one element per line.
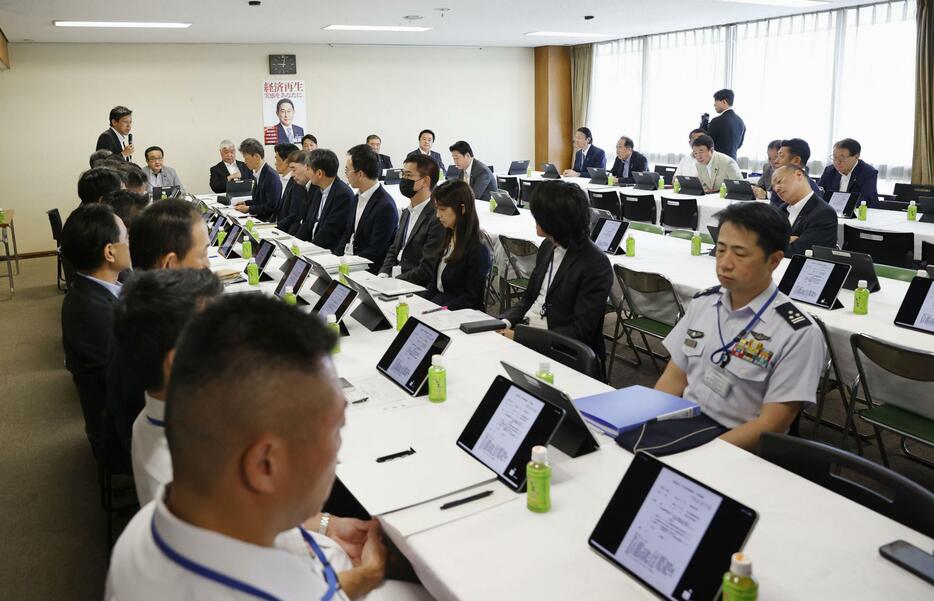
<point x="791" y="314"/>
<point x="711" y="290"/>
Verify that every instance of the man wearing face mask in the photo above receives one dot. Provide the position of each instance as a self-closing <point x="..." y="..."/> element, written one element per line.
<point x="413" y="254"/>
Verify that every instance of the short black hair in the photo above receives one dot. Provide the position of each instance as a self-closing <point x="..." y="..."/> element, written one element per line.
<point x="586" y="132"/>
<point x="373" y="137"/>
<point x="163" y="227"/>
<point x="697" y="130"/>
<point x="703" y="140"/>
<point x="425" y="166"/>
<point x="283" y="101"/>
<point x="310" y="137"/>
<point x="87" y="231"/>
<point x="119" y="112"/>
<point x="725" y="94"/>
<point x="427" y="131"/>
<point x="461" y="147"/>
<point x="774" y="145"/>
<point x="324" y="160"/>
<point x="252" y="146"/>
<point x="98" y="157"/>
<point x="132" y="174"/>
<point x="284" y="150"/>
<point x="152" y="309"/>
<point x="150" y="149"/>
<point x="798" y="148"/>
<point x="364" y="159"/>
<point x="562" y="210"/>
<point x="770" y="226"/>
<point x="627" y="142"/>
<point x="126" y="205"/>
<point x="850" y="145"/>
<point x="97" y="182"/>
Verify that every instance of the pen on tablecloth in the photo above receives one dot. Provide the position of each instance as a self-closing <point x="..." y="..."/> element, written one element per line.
<point x="434" y="310"/>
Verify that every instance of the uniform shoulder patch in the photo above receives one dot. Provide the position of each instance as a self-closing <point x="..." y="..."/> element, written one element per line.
<point x="791" y="314"/>
<point x="707" y="292"/>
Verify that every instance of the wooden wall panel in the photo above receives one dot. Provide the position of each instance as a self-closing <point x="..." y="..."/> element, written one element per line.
<point x="4" y="52"/>
<point x="553" y="129"/>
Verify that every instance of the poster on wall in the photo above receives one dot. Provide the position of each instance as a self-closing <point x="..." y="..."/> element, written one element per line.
<point x="283" y="111"/>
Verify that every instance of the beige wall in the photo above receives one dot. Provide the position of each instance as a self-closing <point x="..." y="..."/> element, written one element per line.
<point x="186" y="98"/>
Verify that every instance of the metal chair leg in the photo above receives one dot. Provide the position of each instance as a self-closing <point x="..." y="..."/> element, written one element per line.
<point x="914" y="456"/>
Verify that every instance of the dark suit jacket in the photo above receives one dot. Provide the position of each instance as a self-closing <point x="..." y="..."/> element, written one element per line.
<point x="421" y="253"/>
<point x="463" y="281"/>
<point x="863" y="180"/>
<point x="332" y="228"/>
<point x="728" y="132"/>
<point x="219" y="174"/>
<point x="108" y="140"/>
<point x="434" y="157"/>
<point x="815" y="224"/>
<point x="595" y="158"/>
<point x="267" y="194"/>
<point x="88" y="341"/>
<point x="294" y="206"/>
<point x="125" y="395"/>
<point x="481" y="181"/>
<point x="637" y="162"/>
<point x="384" y="163"/>
<point x="377" y="227"/>
<point x="576" y="301"/>
<point x="777" y="201"/>
<point x="281" y="138"/>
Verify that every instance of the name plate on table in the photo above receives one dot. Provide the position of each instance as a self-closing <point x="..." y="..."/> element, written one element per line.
<point x="917" y="308"/>
<point x="814" y="281"/>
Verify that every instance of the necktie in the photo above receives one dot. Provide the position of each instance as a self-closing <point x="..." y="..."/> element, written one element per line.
<point x="626" y="169"/>
<point x="404" y="225"/>
<point x="579" y="161"/>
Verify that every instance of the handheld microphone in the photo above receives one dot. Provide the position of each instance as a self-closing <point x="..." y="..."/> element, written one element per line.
<point x="129" y="139"/>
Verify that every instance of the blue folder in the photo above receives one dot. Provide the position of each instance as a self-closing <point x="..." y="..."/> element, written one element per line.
<point x="628" y="408"/>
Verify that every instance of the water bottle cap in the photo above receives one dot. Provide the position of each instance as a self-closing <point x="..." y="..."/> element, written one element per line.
<point x="437" y="360"/>
<point x="862" y="203"/>
<point x="539" y="454"/>
<point x="741" y="565"/>
<point x="544" y="366"/>
<point x="252" y="260"/>
<point x="809" y="253"/>
<point x="911" y="203"/>
<point x="862" y="284"/>
<point x="922" y="273"/>
<point x="332" y="318"/>
<point x="696" y="233"/>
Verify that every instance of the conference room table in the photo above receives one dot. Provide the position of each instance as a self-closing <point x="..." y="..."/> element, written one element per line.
<point x="808" y="542"/>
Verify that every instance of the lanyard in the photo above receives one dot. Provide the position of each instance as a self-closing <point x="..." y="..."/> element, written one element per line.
<point x="544" y="308"/>
<point x="156" y="422"/>
<point x="724" y="350"/>
<point x="239" y="585"/>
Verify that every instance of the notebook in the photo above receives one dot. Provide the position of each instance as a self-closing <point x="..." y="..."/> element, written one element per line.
<point x="628" y="408"/>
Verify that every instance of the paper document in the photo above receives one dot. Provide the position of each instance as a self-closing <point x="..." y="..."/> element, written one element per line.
<point x="506" y="430"/>
<point x="925" y="319"/>
<point x="667" y="530"/>
<point x="607" y="232"/>
<point x="389" y="286"/>
<point x="411" y="354"/>
<point x="811" y="281"/>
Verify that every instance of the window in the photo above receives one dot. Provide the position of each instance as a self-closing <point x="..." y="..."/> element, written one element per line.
<point x="617" y="77"/>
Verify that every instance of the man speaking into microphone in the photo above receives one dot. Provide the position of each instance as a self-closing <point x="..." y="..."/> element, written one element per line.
<point x="118" y="139"/>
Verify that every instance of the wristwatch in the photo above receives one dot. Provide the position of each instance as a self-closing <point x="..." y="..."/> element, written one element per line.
<point x="323" y="524"/>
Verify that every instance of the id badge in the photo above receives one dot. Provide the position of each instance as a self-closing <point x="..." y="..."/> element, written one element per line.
<point x="396" y="271"/>
<point x="716" y="379"/>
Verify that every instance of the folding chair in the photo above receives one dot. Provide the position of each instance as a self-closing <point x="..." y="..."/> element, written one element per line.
<point x="520" y="255"/>
<point x="878" y="488"/>
<point x="888" y="248"/>
<point x="558" y="347"/>
<point x="526" y="187"/>
<point x="667" y="172"/>
<point x="55" y="222"/>
<point x="653" y="309"/>
<point x="927" y="253"/>
<point x="492" y="296"/>
<point x="645" y="227"/>
<point x="508" y="184"/>
<point x="910" y="365"/>
<point x="638" y="207"/>
<point x="679" y="213"/>
<point x="607" y="200"/>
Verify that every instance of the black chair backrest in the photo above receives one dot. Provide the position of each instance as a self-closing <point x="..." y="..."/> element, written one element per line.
<point x="679" y="213"/>
<point x="667" y="172"/>
<point x="509" y="185"/>
<point x="890" y="493"/>
<point x="560" y="348"/>
<point x="55" y="221"/>
<point x="526" y="187"/>
<point x="639" y="207"/>
<point x="888" y="248"/>
<point x="887" y="204"/>
<point x="927" y="252"/>
<point x="909" y="192"/>
<point x="608" y="200"/>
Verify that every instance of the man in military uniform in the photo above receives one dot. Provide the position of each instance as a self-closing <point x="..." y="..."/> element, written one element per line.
<point x="743" y="352"/>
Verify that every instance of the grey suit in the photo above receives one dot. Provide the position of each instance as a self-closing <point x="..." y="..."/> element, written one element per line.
<point x="421" y="250"/>
<point x="719" y="168"/>
<point x="765" y="180"/>
<point x="166" y="177"/>
<point x="481" y="181"/>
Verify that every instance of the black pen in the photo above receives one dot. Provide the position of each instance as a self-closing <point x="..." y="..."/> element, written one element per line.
<point x="458" y="502"/>
<point x="392" y="456"/>
<point x="433" y="310"/>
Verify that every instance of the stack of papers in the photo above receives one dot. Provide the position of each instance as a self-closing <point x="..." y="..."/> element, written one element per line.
<point x="332" y="263"/>
<point x="445" y="321"/>
<point x="387" y="286"/>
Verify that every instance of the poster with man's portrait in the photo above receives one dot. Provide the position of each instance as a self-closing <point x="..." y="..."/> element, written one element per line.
<point x="283" y="111"/>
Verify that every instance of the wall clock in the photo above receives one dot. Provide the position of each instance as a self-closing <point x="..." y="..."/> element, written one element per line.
<point x="282" y="64"/>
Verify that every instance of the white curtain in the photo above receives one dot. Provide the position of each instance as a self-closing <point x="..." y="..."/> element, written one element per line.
<point x="616" y="79"/>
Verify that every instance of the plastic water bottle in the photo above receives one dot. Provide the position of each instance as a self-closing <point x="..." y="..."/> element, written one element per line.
<point x="221" y="235"/>
<point x="336" y="328"/>
<point x="738" y="583"/>
<point x="290" y="298"/>
<point x="296" y="250"/>
<point x="492" y="204"/>
<point x="609" y="179"/>
<point x="538" y="478"/>
<point x="676" y="186"/>
<point x="861" y="298"/>
<point x="2" y="216"/>
<point x="344" y="270"/>
<point x="695" y="244"/>
<point x="164" y="196"/>
<point x="252" y="273"/>
<point x="247" y="249"/>
<point x="249" y="225"/>
<point x="722" y="190"/>
<point x="437" y="380"/>
<point x="528" y="170"/>
<point x="544" y="372"/>
<point x="861" y="213"/>
<point x="661" y="182"/>
<point x="402" y="313"/>
<point x="630" y="246"/>
<point x="912" y="211"/>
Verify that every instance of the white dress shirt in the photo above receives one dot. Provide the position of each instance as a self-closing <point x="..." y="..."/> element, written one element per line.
<point x="285" y="181"/>
<point x="845" y="181"/>
<point x="152" y="463"/>
<point x="467" y="171"/>
<point x="113" y="287"/>
<point x="443" y="263"/>
<point x="535" y="313"/>
<point x="795" y="209"/>
<point x="124" y="142"/>
<point x="414" y="214"/>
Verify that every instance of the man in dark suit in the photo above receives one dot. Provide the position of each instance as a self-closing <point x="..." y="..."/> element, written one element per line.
<point x="727" y="129"/>
<point x="373" y="217"/>
<point x="414" y="251"/>
<point x="812" y="220"/>
<point x="228" y="169"/>
<point x="375" y="142"/>
<point x="628" y="160"/>
<point x="849" y="173"/>
<point x="587" y="154"/>
<point x="94" y="241"/>
<point x="267" y="193"/>
<point x="296" y="195"/>
<point x="793" y="151"/>
<point x="426" y="138"/>
<point x="118" y="139"/>
<point x="472" y="171"/>
<point x="330" y="201"/>
<point x="286" y="130"/>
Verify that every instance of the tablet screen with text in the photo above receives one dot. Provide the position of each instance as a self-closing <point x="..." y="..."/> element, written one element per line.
<point x="408" y="358"/>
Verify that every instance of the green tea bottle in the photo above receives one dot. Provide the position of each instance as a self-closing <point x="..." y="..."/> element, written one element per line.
<point x="630" y="246"/>
<point x="246" y="250"/>
<point x="861" y="298"/>
<point x="738" y="583"/>
<point x="722" y="190"/>
<point x="344" y="270"/>
<point x="402" y="313"/>
<point x="252" y="273"/>
<point x="544" y="372"/>
<point x="437" y="380"/>
<point x="695" y="244"/>
<point x="661" y="182"/>
<point x="912" y="211"/>
<point x="336" y="328"/>
<point x="290" y="298"/>
<point x="538" y="478"/>
<point x="861" y="213"/>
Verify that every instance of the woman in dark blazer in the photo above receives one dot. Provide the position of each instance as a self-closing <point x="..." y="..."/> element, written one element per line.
<point x="572" y="278"/>
<point x="460" y="276"/>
